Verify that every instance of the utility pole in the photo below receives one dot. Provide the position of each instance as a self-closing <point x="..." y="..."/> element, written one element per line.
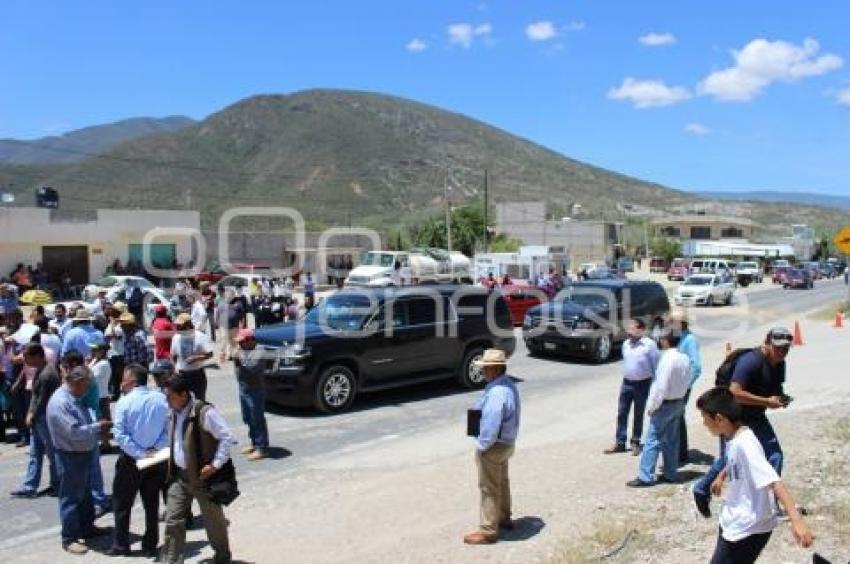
<point x="446" y="190"/>
<point x="486" y="204"/>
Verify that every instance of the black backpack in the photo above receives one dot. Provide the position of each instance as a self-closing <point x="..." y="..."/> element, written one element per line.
<point x="723" y="376"/>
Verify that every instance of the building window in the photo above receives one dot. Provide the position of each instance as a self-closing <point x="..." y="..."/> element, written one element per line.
<point x="671" y="232"/>
<point x="700" y="232"/>
<point x="732" y="233"/>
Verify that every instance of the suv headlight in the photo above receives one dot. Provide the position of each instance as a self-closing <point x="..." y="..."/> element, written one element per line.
<point x="295" y="351"/>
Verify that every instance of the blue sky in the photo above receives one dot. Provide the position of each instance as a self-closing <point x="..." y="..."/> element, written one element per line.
<point x="694" y="95"/>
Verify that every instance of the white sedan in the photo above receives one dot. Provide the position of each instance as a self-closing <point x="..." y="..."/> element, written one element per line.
<point x="705" y="289"/>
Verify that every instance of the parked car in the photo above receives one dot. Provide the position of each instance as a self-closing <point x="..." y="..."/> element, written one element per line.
<point x="705" y="289"/>
<point x="779" y="272"/>
<point x="658" y="264"/>
<point x="678" y="269"/>
<point x="747" y="272"/>
<point x="591" y="321"/>
<point x="812" y="268"/>
<point x="827" y="270"/>
<point x="366" y="339"/>
<point x="520" y="298"/>
<point x="798" y="278"/>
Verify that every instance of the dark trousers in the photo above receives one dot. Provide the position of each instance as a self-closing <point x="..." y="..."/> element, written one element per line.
<point x="197" y="382"/>
<point x="76" y="506"/>
<point x="128" y="481"/>
<point x="20" y="406"/>
<point x="764" y="432"/>
<point x="744" y="551"/>
<point x="211" y="318"/>
<point x="683" y="432"/>
<point x="253" y="404"/>
<point x="116" y="363"/>
<point x="632" y="393"/>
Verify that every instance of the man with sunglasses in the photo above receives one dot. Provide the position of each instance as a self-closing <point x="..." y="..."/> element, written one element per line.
<point x="757" y="385"/>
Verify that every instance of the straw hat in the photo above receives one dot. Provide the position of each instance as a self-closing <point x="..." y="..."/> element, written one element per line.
<point x="678" y="316"/>
<point x="127" y="318"/>
<point x="492" y="357"/>
<point x="82" y="314"/>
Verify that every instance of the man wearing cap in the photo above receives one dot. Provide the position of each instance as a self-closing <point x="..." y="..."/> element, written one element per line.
<point x="190" y="350"/>
<point x="163" y="331"/>
<point x="60" y="321"/>
<point x="74" y="433"/>
<point x="140" y="430"/>
<point x="689" y="346"/>
<point x="757" y="385"/>
<point x="494" y="446"/>
<point x="249" y="364"/>
<point x="81" y="334"/>
<point x="135" y="341"/>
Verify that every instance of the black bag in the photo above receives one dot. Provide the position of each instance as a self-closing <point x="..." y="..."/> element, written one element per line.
<point x="473" y="422"/>
<point x="723" y="376"/>
<point x="222" y="485"/>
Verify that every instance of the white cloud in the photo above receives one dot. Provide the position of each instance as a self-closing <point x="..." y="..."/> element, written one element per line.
<point x="657" y="39"/>
<point x="843" y="97"/>
<point x="762" y="62"/>
<point x="463" y="33"/>
<point x="541" y="31"/>
<point x="697" y="129"/>
<point x="416" y="45"/>
<point x="649" y="93"/>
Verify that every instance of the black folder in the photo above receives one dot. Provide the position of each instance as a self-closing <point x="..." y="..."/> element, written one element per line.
<point x="473" y="422"/>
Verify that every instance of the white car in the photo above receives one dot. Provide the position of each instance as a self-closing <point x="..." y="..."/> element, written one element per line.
<point x="750" y="270"/>
<point x="705" y="289"/>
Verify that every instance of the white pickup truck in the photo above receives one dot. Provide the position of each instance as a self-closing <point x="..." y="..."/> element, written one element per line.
<point x="705" y="289"/>
<point x="747" y="272"/>
<point x="401" y="268"/>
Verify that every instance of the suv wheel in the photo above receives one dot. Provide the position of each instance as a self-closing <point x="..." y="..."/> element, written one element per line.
<point x="335" y="389"/>
<point x="709" y="301"/>
<point x="472" y="376"/>
<point x="729" y="299"/>
<point x="603" y="349"/>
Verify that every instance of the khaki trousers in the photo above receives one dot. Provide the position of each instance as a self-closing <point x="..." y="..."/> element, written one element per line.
<point x="227" y="347"/>
<point x="495" y="486"/>
<point x="178" y="505"/>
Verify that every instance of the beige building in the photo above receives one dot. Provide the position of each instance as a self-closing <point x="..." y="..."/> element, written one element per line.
<point x="706" y="227"/>
<point x="84" y="245"/>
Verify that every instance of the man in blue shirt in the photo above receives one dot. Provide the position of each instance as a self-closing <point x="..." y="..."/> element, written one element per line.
<point x="75" y="435"/>
<point x="82" y="335"/>
<point x="689" y="346"/>
<point x="640" y="359"/>
<point x="140" y="431"/>
<point x="494" y="446"/>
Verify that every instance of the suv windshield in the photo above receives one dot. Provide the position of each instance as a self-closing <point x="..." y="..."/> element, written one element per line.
<point x="743" y="265"/>
<point x="377" y="259"/>
<point x="589" y="296"/>
<point x="344" y="312"/>
<point x="698" y="281"/>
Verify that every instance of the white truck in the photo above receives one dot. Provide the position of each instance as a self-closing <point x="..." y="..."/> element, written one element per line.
<point x="747" y="272"/>
<point x="401" y="268"/>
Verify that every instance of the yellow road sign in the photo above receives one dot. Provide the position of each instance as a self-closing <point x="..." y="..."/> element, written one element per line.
<point x="842" y="240"/>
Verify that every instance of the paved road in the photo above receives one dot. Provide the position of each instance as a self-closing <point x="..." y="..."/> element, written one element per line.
<point x="304" y="440"/>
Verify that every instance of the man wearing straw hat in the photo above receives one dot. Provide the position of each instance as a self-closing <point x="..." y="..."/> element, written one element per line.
<point x="689" y="346"/>
<point x="494" y="446"/>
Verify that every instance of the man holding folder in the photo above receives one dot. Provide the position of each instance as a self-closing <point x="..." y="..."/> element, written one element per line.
<point x="499" y="410"/>
<point x="140" y="431"/>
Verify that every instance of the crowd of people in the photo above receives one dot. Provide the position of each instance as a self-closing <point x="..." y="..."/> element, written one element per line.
<point x="79" y="385"/>
<point x="658" y="376"/>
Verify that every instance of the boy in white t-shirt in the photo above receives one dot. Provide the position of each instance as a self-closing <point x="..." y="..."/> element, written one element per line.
<point x="747" y="518"/>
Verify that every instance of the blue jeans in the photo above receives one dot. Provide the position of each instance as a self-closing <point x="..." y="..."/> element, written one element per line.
<point x="632" y="392"/>
<point x="40" y="446"/>
<point x="663" y="438"/>
<point x="253" y="404"/>
<point x="96" y="479"/>
<point x="76" y="507"/>
<point x="764" y="432"/>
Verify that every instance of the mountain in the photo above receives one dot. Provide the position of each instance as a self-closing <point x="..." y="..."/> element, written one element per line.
<point x="81" y="143"/>
<point x="807" y="198"/>
<point x="368" y="159"/>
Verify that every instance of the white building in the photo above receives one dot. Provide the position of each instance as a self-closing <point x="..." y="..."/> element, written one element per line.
<point x="693" y="248"/>
<point x="85" y="245"/>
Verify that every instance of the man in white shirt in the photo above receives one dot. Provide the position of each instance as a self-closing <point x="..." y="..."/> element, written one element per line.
<point x="640" y="358"/>
<point x="190" y="465"/>
<point x="199" y="312"/>
<point x="190" y="351"/>
<point x="664" y="405"/>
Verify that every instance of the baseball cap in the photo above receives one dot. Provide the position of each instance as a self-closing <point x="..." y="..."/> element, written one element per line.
<point x="78" y="373"/>
<point x="780" y="337"/>
<point x="244" y="335"/>
<point x="160" y="308"/>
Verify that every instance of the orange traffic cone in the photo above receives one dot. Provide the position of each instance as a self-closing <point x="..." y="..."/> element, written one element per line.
<point x="798" y="335"/>
<point x="839" y="320"/>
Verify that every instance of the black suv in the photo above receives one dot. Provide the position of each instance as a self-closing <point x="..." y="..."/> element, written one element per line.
<point x="589" y="319"/>
<point x="367" y="339"/>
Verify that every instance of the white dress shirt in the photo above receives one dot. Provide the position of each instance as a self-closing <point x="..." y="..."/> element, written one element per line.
<point x="672" y="379"/>
<point x="215" y="425"/>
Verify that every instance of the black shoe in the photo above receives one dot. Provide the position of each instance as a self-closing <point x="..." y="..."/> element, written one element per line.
<point x="663" y="480"/>
<point x="97" y="532"/>
<point x="49" y="492"/>
<point x="150" y="552"/>
<point x="638" y="483"/>
<point x="703" y="503"/>
<point x="615" y="449"/>
<point x="23" y="494"/>
<point x="636" y="450"/>
<point x="115" y="551"/>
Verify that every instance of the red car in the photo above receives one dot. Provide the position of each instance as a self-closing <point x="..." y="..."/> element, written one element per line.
<point x="520" y="298"/>
<point x="678" y="270"/>
<point x="779" y="274"/>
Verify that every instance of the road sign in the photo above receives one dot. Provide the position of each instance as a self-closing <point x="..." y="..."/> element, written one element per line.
<point x="842" y="240"/>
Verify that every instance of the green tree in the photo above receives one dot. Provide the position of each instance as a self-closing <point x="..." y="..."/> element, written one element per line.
<point x="467" y="230"/>
<point x="666" y="248"/>
<point x="501" y="243"/>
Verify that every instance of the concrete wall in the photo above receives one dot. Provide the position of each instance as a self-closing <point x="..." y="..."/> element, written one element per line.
<point x="108" y="235"/>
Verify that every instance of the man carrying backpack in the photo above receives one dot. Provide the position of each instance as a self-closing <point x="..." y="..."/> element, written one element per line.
<point x="755" y="377"/>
